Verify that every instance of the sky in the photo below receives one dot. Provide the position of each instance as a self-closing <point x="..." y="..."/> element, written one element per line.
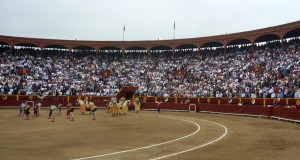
<point x="104" y="20"/>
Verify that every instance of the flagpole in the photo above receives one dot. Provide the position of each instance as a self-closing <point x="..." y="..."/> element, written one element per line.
<point x="174" y="31"/>
<point x="174" y="35"/>
<point x="123" y="32"/>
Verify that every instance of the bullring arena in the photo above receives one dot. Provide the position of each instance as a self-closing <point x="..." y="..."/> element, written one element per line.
<point x="198" y="123"/>
<point x="147" y="135"/>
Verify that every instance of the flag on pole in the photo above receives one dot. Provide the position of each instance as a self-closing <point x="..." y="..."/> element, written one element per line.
<point x="124" y="28"/>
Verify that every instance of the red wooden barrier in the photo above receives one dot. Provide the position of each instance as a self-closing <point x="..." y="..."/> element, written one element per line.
<point x="202" y="104"/>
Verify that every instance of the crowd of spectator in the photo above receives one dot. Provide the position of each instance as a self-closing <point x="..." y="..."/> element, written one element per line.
<point x="268" y="72"/>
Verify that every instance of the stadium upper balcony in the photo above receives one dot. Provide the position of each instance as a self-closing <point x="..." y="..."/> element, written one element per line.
<point x="275" y="33"/>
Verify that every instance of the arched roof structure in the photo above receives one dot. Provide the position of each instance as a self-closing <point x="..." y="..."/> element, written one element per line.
<point x="255" y="36"/>
<point x="81" y="47"/>
<point x="292" y="33"/>
<point x="161" y="47"/>
<point x="211" y="44"/>
<point x="135" y="48"/>
<point x="56" y="46"/>
<point x="21" y="44"/>
<point x="3" y="43"/>
<point x="266" y="38"/>
<point x="186" y="46"/>
<point x="109" y="48"/>
<point x="238" y="41"/>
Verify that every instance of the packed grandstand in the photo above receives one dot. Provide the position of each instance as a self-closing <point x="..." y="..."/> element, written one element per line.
<point x="261" y="70"/>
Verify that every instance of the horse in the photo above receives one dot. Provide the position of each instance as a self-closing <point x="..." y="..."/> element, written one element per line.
<point x="123" y="106"/>
<point x="84" y="106"/>
<point x="113" y="108"/>
<point x="137" y="105"/>
<point x="109" y="103"/>
<point x="90" y="106"/>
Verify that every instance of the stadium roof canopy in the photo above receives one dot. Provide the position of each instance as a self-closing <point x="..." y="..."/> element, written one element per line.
<point x="186" y="46"/>
<point x="267" y="38"/>
<point x="239" y="42"/>
<point x="136" y="48"/>
<point x="3" y="43"/>
<point x="279" y="32"/>
<point x="110" y="48"/>
<point x="26" y="44"/>
<point x="292" y="33"/>
<point x="161" y="47"/>
<point x="56" y="46"/>
<point x="84" y="48"/>
<point x="212" y="44"/>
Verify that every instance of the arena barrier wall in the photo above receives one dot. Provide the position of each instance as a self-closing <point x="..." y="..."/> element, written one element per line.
<point x="258" y="107"/>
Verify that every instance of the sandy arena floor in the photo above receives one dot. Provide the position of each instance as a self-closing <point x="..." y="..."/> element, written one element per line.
<point x="148" y="135"/>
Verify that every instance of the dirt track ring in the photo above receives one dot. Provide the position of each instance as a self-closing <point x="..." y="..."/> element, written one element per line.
<point x="147" y="135"/>
<point x="164" y="145"/>
<point x="83" y="137"/>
